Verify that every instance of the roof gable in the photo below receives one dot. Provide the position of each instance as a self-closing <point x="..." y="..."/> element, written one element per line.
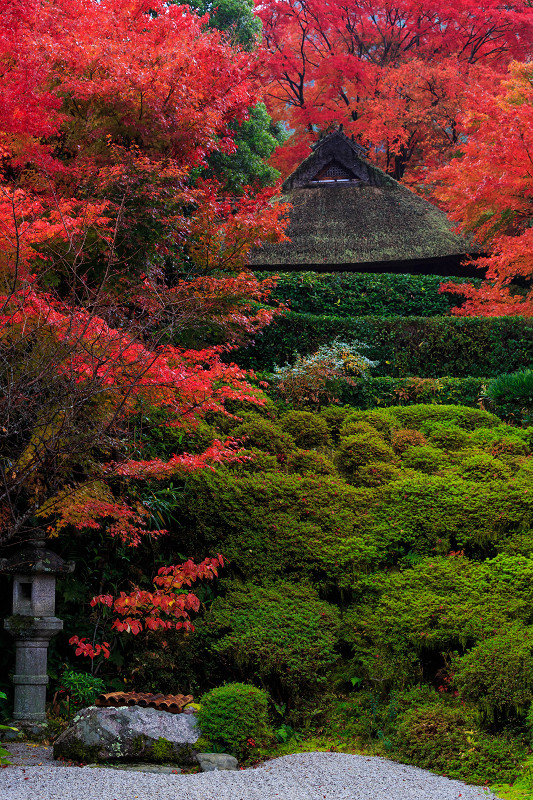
<point x="346" y="154"/>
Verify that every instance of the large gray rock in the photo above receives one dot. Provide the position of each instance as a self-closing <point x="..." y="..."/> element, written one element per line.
<point x="211" y="762"/>
<point x="129" y="734"/>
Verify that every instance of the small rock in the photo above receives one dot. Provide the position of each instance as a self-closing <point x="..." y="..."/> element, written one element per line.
<point x="211" y="762"/>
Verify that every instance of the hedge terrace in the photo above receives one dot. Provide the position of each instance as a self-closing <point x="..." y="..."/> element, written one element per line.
<point x="428" y="347"/>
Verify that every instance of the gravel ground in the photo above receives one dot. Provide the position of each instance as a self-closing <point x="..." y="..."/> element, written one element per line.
<point x="301" y="776"/>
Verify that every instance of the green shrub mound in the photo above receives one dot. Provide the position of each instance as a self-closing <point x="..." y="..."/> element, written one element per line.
<point x="235" y="717"/>
<point x="447" y="739"/>
<point x="482" y="466"/>
<point x="424" y="459"/>
<point x="307" y="430"/>
<point x="406" y="438"/>
<point x="497" y="674"/>
<point x="263" y="434"/>
<point x="377" y="473"/>
<point x="283" y="635"/>
<point x="307" y="462"/>
<point x="356" y="451"/>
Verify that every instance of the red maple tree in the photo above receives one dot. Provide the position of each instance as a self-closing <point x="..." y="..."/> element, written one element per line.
<point x="394" y="72"/>
<point x="111" y="249"/>
<point x="488" y="190"/>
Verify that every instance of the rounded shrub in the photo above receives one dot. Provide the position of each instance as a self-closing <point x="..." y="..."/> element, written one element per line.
<point x="497" y="674"/>
<point x="447" y="435"/>
<point x="307" y="462"/>
<point x="404" y="438"/>
<point x="382" y="419"/>
<point x="482" y="466"/>
<point x="377" y="473"/>
<point x="264" y="434"/>
<point x="356" y="451"/>
<point x="425" y="459"/>
<point x="307" y="429"/>
<point x="235" y="717"/>
<point x="447" y="739"/>
<point x="357" y="427"/>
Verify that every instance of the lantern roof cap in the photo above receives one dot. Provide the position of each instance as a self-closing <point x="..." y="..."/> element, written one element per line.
<point x="35" y="558"/>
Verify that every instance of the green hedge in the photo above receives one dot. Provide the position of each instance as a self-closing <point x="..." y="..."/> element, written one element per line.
<point x="424" y="346"/>
<point x="351" y="294"/>
<point x="381" y="392"/>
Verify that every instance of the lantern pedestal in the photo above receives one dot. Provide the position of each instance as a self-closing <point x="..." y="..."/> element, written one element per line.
<point x="32" y="638"/>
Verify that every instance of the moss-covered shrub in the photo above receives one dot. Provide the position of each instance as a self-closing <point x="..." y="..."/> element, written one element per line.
<point x="308" y="462"/>
<point x="263" y="434"/>
<point x="356" y="451"/>
<point x="482" y="466"/>
<point x="405" y="438"/>
<point x="497" y="674"/>
<point x="307" y="429"/>
<point x="446" y="738"/>
<point x="377" y="473"/>
<point x="357" y="427"/>
<point x="283" y="636"/>
<point x="447" y="436"/>
<point x="424" y="459"/>
<point x="235" y="717"/>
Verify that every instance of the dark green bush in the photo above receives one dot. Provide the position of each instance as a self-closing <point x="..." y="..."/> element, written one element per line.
<point x="356" y="451"/>
<point x="282" y="635"/>
<point x="263" y="434"/>
<point x="307" y="429"/>
<point x="515" y="388"/>
<point x="446" y="739"/>
<point x="497" y="674"/>
<point x="308" y="462"/>
<point x="480" y="347"/>
<point x="235" y="717"/>
<point x="380" y="391"/>
<point x="424" y="459"/>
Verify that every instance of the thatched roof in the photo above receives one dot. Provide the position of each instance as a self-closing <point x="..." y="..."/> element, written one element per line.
<point x="346" y="211"/>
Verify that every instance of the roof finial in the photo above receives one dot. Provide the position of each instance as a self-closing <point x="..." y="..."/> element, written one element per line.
<point x="341" y="127"/>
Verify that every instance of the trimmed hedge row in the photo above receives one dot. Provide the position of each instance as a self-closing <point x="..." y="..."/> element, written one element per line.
<point x="424" y="346"/>
<point x="382" y="392"/>
<point x="351" y="295"/>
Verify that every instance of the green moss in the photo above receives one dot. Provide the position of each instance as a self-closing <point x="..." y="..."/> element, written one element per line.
<point x="162" y="750"/>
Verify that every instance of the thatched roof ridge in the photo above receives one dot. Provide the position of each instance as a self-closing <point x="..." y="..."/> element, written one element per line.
<point x="365" y="218"/>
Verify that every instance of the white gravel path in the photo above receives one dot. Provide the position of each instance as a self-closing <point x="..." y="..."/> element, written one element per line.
<point x="301" y="776"/>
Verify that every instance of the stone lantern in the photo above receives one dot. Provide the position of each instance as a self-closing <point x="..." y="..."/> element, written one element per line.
<point x="33" y="623"/>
